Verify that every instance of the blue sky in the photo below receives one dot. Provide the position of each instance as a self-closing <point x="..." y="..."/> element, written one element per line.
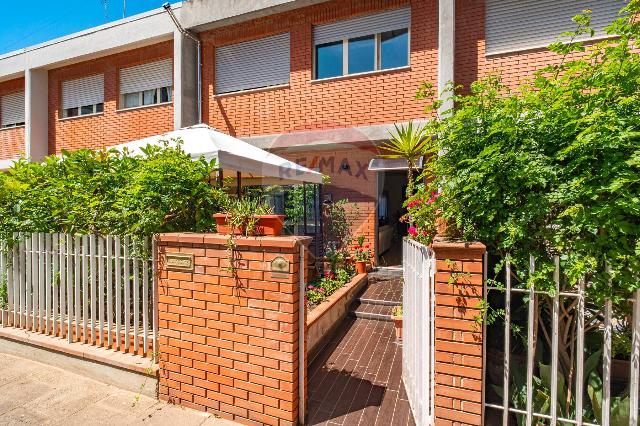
<point x="27" y="22"/>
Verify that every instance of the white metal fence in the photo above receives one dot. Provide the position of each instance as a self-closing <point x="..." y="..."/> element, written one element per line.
<point x="566" y="305"/>
<point x="418" y="364"/>
<point x="85" y="288"/>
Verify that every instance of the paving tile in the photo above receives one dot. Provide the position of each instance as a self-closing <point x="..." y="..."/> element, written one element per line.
<point x="357" y="378"/>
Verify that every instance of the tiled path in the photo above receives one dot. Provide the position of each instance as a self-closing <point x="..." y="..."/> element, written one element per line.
<point x="40" y="394"/>
<point x="356" y="380"/>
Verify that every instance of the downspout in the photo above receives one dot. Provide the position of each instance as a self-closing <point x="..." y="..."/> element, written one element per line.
<point x="191" y="36"/>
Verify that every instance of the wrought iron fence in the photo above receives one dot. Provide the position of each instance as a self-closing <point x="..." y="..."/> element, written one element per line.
<point x="539" y="393"/>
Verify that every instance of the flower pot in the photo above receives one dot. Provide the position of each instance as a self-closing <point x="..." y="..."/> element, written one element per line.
<point x="361" y="267"/>
<point x="397" y="321"/>
<point x="271" y="225"/>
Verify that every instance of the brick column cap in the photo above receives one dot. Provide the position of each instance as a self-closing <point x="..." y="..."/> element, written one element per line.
<point x="444" y="246"/>
<point x="289" y="241"/>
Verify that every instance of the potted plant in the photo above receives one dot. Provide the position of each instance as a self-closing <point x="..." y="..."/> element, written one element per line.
<point x="397" y="321"/>
<point x="249" y="216"/>
<point x="362" y="255"/>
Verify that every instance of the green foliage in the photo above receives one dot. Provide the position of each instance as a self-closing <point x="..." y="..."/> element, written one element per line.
<point x="565" y="402"/>
<point x="242" y="213"/>
<point x="337" y="225"/>
<point x="362" y="252"/>
<point x="552" y="167"/>
<point x="107" y="192"/>
<point x="408" y="143"/>
<point x="328" y="284"/>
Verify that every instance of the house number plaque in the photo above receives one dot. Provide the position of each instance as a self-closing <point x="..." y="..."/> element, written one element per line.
<point x="280" y="265"/>
<point x="179" y="262"/>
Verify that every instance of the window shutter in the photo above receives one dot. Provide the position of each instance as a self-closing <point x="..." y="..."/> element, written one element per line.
<point x="253" y="64"/>
<point x="147" y="76"/>
<point x="395" y="19"/>
<point x="12" y="108"/>
<point x="83" y="91"/>
<point x="513" y="25"/>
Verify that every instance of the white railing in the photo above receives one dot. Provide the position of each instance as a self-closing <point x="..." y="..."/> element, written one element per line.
<point x="565" y="304"/>
<point x="418" y="301"/>
<point x="84" y="288"/>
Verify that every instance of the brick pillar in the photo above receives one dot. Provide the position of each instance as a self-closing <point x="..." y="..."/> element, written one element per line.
<point x="458" y="338"/>
<point x="229" y="345"/>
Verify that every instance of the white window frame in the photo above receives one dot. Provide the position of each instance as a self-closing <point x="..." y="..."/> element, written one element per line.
<point x="141" y="98"/>
<point x="376" y="56"/>
<point x="94" y="111"/>
<point x="15" y="125"/>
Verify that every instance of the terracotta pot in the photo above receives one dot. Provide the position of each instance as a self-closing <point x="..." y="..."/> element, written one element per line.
<point x="397" y="321"/>
<point x="361" y="267"/>
<point x="271" y="225"/>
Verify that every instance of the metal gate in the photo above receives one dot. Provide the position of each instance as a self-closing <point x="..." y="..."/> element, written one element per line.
<point x="418" y="364"/>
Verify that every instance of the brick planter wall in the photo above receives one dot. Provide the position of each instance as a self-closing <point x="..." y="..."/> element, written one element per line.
<point x="229" y="345"/>
<point x="458" y="339"/>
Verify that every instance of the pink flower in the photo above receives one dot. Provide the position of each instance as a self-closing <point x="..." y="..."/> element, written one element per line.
<point x="434" y="197"/>
<point x="413" y="203"/>
<point x="413" y="231"/>
<point x="321" y="290"/>
<point x="311" y="287"/>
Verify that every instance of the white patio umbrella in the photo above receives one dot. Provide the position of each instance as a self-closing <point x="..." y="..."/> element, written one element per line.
<point x="233" y="155"/>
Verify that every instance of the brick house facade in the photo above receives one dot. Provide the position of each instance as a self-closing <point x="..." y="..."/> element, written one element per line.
<point x="330" y="124"/>
<point x="114" y="125"/>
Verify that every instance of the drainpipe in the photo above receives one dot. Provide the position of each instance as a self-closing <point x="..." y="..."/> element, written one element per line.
<point x="446" y="50"/>
<point x="191" y="36"/>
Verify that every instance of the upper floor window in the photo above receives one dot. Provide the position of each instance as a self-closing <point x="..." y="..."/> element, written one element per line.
<point x="83" y="96"/>
<point x="516" y="25"/>
<point x="146" y="84"/>
<point x="12" y="110"/>
<point x="253" y="64"/>
<point x="363" y="44"/>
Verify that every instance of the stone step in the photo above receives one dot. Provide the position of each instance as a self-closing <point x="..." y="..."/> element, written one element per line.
<point x="378" y="312"/>
<point x="366" y="301"/>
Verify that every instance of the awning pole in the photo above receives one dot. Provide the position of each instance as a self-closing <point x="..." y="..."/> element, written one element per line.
<point x="220" y="179"/>
<point x="239" y="179"/>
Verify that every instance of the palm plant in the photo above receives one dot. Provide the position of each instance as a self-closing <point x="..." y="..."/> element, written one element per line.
<point x="409" y="143"/>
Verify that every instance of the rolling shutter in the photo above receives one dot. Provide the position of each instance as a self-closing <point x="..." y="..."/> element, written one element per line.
<point x="12" y="108"/>
<point x="152" y="75"/>
<point x="513" y="25"/>
<point x="83" y="91"/>
<point x="253" y="64"/>
<point x="395" y="19"/>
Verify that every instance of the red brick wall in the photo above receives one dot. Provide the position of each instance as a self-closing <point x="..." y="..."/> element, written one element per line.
<point x="113" y="126"/>
<point x="458" y="339"/>
<point x="353" y="182"/>
<point x="12" y="139"/>
<point x="382" y="98"/>
<point x="227" y="345"/>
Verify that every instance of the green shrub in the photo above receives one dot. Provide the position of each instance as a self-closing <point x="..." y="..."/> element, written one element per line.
<point x="552" y="167"/>
<point x="106" y="192"/>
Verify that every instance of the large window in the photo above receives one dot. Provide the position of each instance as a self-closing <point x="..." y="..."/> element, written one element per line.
<point x="253" y="64"/>
<point x="364" y="44"/>
<point x="83" y="96"/>
<point x="12" y="110"/>
<point x="146" y="84"/>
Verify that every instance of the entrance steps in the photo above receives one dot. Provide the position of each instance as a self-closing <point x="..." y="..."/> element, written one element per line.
<point x="383" y="293"/>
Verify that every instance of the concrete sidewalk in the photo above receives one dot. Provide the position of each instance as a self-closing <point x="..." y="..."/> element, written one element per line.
<point x="35" y="393"/>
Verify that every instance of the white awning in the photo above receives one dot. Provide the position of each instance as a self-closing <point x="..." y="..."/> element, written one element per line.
<point x="391" y="164"/>
<point x="233" y="155"/>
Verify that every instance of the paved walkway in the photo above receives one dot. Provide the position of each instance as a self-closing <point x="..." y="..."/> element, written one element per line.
<point x="356" y="379"/>
<point x="38" y="394"/>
